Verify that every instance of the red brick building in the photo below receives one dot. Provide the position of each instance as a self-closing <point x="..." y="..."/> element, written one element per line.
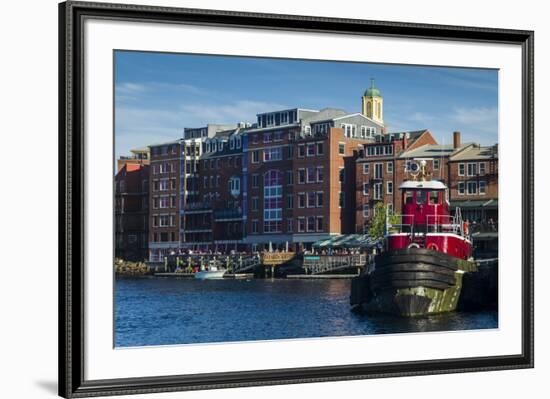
<point x="131" y="211"/>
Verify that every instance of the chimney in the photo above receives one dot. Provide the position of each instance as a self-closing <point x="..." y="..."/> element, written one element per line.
<point x="456" y="140"/>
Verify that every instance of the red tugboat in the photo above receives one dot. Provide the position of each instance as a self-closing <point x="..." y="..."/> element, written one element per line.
<point x="426" y="252"/>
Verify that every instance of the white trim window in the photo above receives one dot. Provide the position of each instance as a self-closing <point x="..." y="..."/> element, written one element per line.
<point x="301" y="176"/>
<point x="378" y="171"/>
<point x="319" y="223"/>
<point x="436" y="164"/>
<point x="482" y="168"/>
<point x="301" y="200"/>
<point x="389" y="167"/>
<point x="289" y="225"/>
<point x="389" y="187"/>
<point x="311" y="199"/>
<point x="472" y="187"/>
<point x="319" y="196"/>
<point x="320" y="148"/>
<point x="461" y="169"/>
<point x="255" y="156"/>
<point x="461" y="188"/>
<point x="320" y="176"/>
<point x="365" y="210"/>
<point x="365" y="188"/>
<point x="273" y="154"/>
<point x="341" y="148"/>
<point x="301" y="150"/>
<point x="472" y="169"/>
<point x="301" y="224"/>
<point x="365" y="168"/>
<point x="310" y="149"/>
<point x="377" y="191"/>
<point x="482" y="187"/>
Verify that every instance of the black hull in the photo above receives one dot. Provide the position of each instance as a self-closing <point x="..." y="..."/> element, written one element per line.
<point x="411" y="282"/>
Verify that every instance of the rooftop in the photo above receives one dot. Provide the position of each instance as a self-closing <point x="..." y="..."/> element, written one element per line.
<point x="476" y="152"/>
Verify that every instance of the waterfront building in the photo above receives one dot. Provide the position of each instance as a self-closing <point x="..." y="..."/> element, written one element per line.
<point x="132" y="206"/>
<point x="139" y="156"/>
<point x="174" y="182"/>
<point x="293" y="177"/>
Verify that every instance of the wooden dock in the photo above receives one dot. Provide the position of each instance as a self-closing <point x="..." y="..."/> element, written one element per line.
<point x="320" y="276"/>
<point x="192" y="275"/>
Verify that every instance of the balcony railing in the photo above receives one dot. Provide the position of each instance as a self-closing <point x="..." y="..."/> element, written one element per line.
<point x="192" y="206"/>
<point x="229" y="213"/>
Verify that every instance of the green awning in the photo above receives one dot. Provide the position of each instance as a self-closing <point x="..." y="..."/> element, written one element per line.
<point x="472" y="204"/>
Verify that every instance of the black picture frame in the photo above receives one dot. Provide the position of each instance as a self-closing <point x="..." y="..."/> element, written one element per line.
<point x="71" y="203"/>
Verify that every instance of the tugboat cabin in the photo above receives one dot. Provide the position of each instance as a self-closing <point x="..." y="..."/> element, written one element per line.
<point x="426" y="221"/>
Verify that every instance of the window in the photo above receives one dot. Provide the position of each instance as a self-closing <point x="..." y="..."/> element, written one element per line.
<point x="472" y="169"/>
<point x="273" y="201"/>
<point x="365" y="168"/>
<point x="234" y="185"/>
<point x="363" y="132"/>
<point x="472" y="187"/>
<point x="319" y="223"/>
<point x="341" y="148"/>
<point x="311" y="174"/>
<point x="319" y="199"/>
<point x="278" y="136"/>
<point x="255" y="139"/>
<point x="255" y="181"/>
<point x="255" y="157"/>
<point x="482" y="167"/>
<point x="461" y="189"/>
<point x="289" y="177"/>
<point x="267" y="137"/>
<point x="420" y="197"/>
<point x="320" y="176"/>
<point x="377" y="187"/>
<point x="310" y="149"/>
<point x="377" y="170"/>
<point x="350" y="131"/>
<point x="231" y="143"/>
<point x="436" y="164"/>
<point x="461" y="169"/>
<point x="301" y="150"/>
<point x="342" y="175"/>
<point x="389" y="167"/>
<point x="301" y="176"/>
<point x="205" y="182"/>
<point x="320" y="148"/>
<point x="273" y="154"/>
<point x="408" y="198"/>
<point x="284" y="118"/>
<point x="254" y="203"/>
<point x="289" y="152"/>
<point x="389" y="187"/>
<point x="434" y="198"/>
<point x="482" y="187"/>
<point x="365" y="188"/>
<point x="365" y="210"/>
<point x="164" y="185"/>
<point x="341" y="199"/>
<point x="311" y="199"/>
<point x="238" y="142"/>
<point x="254" y="227"/>
<point x="311" y="223"/>
<point x="164" y="202"/>
<point x="301" y="225"/>
<point x="301" y="200"/>
<point x="289" y="201"/>
<point x="289" y="225"/>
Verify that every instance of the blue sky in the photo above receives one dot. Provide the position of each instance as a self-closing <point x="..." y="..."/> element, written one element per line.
<point x="157" y="95"/>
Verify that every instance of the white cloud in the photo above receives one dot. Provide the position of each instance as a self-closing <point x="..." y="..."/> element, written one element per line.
<point x="483" y="119"/>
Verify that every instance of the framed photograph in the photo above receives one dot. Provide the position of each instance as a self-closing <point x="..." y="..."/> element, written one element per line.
<point x="254" y="199"/>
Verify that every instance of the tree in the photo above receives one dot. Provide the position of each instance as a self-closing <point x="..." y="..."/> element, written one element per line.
<point x="377" y="227"/>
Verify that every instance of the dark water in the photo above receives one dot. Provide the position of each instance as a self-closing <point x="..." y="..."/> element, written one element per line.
<point x="156" y="311"/>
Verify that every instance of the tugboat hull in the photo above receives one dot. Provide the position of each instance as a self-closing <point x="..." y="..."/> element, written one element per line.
<point x="411" y="282"/>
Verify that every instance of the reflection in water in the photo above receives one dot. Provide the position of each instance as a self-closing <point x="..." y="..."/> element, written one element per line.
<point x="155" y="311"/>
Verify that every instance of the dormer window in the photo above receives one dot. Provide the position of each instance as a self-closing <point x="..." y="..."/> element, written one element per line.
<point x="231" y="143"/>
<point x="284" y="118"/>
<point x="220" y="145"/>
<point x="238" y="142"/>
<point x="270" y="119"/>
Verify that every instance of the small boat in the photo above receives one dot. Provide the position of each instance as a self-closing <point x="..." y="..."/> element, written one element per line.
<point x="211" y="274"/>
<point x="426" y="253"/>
